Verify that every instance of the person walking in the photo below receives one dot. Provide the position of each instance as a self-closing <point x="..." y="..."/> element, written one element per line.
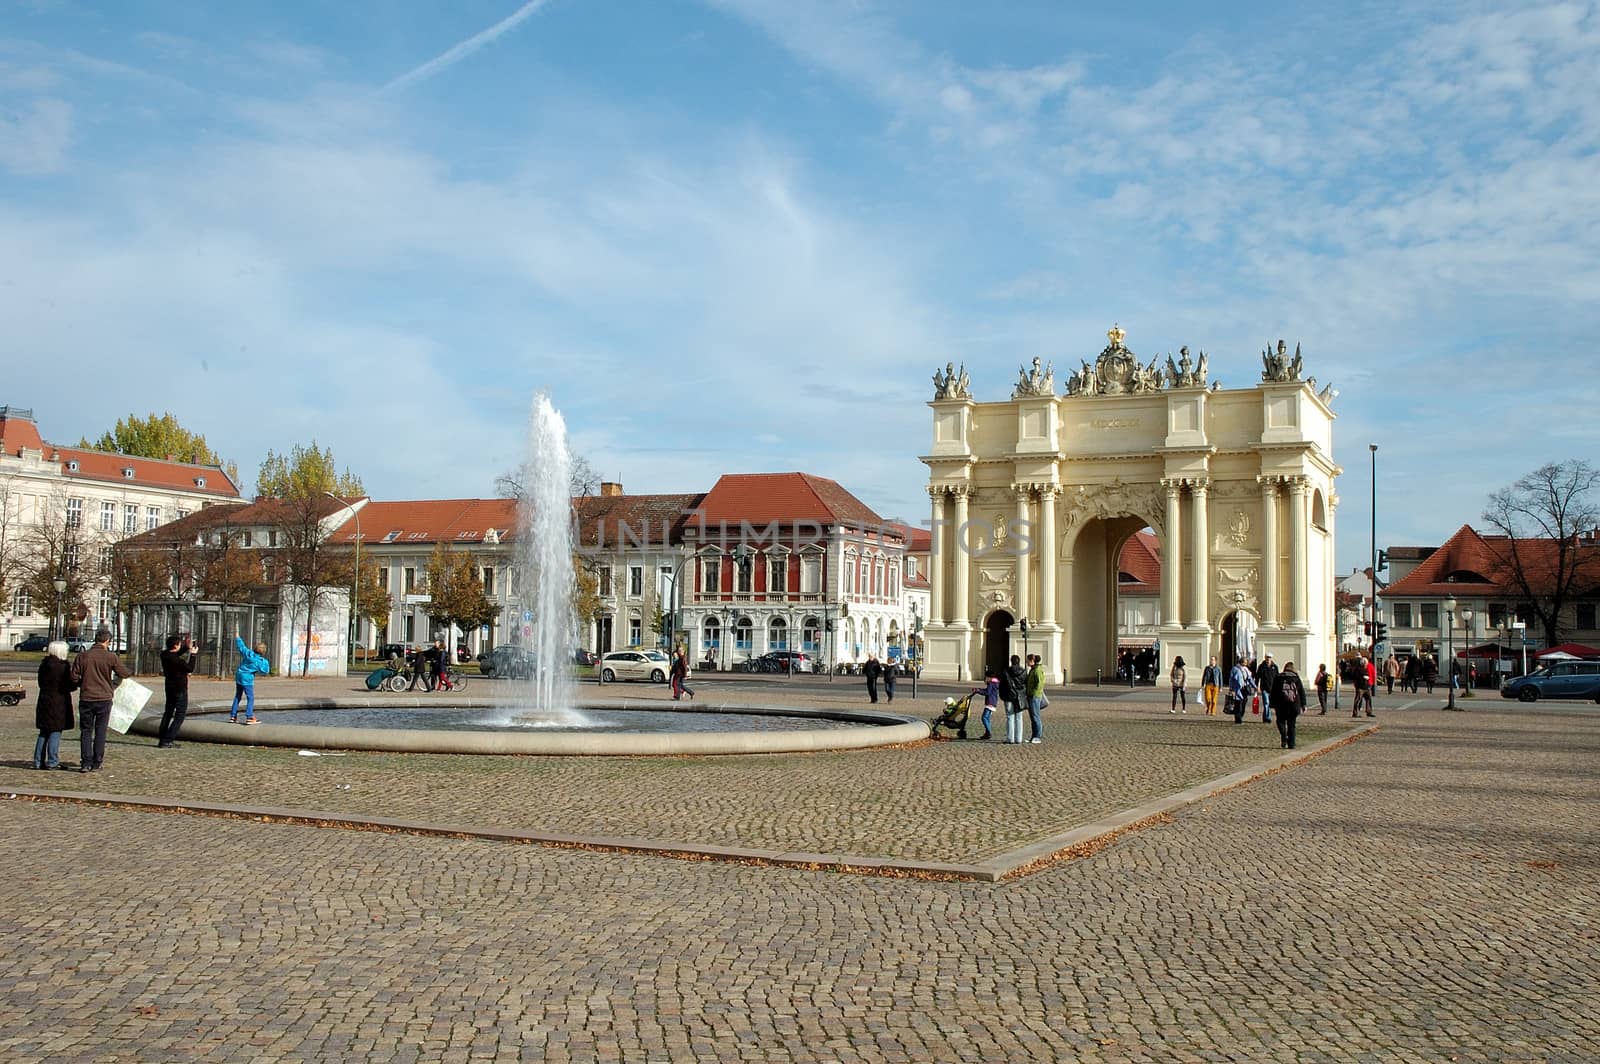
<point x="96" y="672"/>
<point x="1266" y="679"/>
<point x="177" y="662"/>
<point x="1210" y="684"/>
<point x="1411" y="674"/>
<point x="53" y="713"/>
<point x="1289" y="699"/>
<point x="1323" y="681"/>
<point x="1391" y="673"/>
<point x="890" y="674"/>
<point x="1180" y="680"/>
<point x="680" y="676"/>
<point x="991" y="699"/>
<point x="1358" y="679"/>
<point x="251" y="664"/>
<point x="1013" y="688"/>
<point x="1430" y="673"/>
<point x="1372" y="683"/>
<point x="1033" y="688"/>
<point x="441" y="668"/>
<point x="873" y="670"/>
<point x="1241" y="685"/>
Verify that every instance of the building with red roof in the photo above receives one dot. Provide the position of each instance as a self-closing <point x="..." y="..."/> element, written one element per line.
<point x="66" y="508"/>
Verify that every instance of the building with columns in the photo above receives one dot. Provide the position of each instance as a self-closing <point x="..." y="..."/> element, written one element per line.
<point x="1035" y="497"/>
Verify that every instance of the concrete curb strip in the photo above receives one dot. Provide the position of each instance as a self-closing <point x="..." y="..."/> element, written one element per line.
<point x="1081" y="841"/>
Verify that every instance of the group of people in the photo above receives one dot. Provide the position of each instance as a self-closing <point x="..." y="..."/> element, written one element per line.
<point x="1282" y="693"/>
<point x="876" y="671"/>
<point x="1411" y="673"/>
<point x="430" y="667"/>
<point x="95" y="674"/>
<point x="1020" y="688"/>
<point x="1137" y="665"/>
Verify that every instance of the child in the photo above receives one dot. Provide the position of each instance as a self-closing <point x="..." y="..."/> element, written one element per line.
<point x="244" y="679"/>
<point x="991" y="699"/>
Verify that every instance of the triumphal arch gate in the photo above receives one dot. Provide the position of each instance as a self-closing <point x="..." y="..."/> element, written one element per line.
<point x="1035" y="496"/>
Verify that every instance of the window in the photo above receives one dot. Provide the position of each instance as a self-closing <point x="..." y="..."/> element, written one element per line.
<point x="410" y="583"/>
<point x="72" y="466"/>
<point x="743" y="634"/>
<point x="1402" y="614"/>
<point x="272" y="538"/>
<point x="108" y="517"/>
<point x="107" y="604"/>
<point x="1497" y="614"/>
<point x="911" y="568"/>
<point x="1525" y="614"/>
<point x="711" y="634"/>
<point x="1586" y="616"/>
<point x="107" y="557"/>
<point x="635" y="580"/>
<point x="778" y="575"/>
<point x="711" y="568"/>
<point x="778" y="634"/>
<point x="1430" y="615"/>
<point x="811" y="574"/>
<point x="130" y="519"/>
<point x="811" y="635"/>
<point x="127" y="472"/>
<point x="244" y="538"/>
<point x="70" y="557"/>
<point x="488" y="580"/>
<point x="22" y="603"/>
<point x="152" y="518"/>
<point x="182" y="514"/>
<point x="745" y="573"/>
<point x="635" y="631"/>
<point x="74" y="513"/>
<point x="199" y="482"/>
<point x="603" y="578"/>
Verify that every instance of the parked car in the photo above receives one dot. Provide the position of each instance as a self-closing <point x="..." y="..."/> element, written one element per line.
<point x="791" y="660"/>
<point x="581" y="656"/>
<point x="77" y="644"/>
<point x="510" y="661"/>
<point x="634" y="665"/>
<point x="391" y="650"/>
<point x="31" y="642"/>
<point x="1565" y="679"/>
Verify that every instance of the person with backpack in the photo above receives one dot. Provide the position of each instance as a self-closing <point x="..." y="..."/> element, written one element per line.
<point x="1241" y="685"/>
<point x="1358" y="679"/>
<point x="1289" y="699"/>
<point x="1323" y="682"/>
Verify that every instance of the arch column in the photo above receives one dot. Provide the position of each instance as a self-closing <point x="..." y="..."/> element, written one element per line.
<point x="962" y="557"/>
<point x="1048" y="559"/>
<point x="1023" y="556"/>
<point x="1269" y="551"/>
<point x="939" y="550"/>
<point x="1171" y="555"/>
<point x="1199" y="553"/>
<point x="1299" y="489"/>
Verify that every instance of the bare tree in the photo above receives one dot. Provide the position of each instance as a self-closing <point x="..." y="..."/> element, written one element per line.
<point x="12" y="570"/>
<point x="1542" y="515"/>
<point x="57" y="548"/>
<point x="585" y="480"/>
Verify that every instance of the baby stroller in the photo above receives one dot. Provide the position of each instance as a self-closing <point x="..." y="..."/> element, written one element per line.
<point x="954" y="716"/>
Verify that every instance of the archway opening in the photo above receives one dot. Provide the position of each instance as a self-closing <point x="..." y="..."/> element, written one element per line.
<point x="1238" y="638"/>
<point x="1107" y="612"/>
<point x="997" y="641"/>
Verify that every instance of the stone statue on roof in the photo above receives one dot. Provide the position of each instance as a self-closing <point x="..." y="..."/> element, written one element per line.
<point x="950" y="384"/>
<point x="1278" y="367"/>
<point x="1041" y="380"/>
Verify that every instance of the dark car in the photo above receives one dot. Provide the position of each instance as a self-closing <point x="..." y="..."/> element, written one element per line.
<point x="508" y="660"/>
<point x="584" y="657"/>
<point x="1565" y="679"/>
<point x="789" y="661"/>
<point x="32" y="642"/>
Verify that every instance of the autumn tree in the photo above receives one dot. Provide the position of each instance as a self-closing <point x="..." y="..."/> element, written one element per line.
<point x="1542" y="515"/>
<point x="13" y="571"/>
<point x="455" y="590"/>
<point x="57" y="549"/>
<point x="305" y="473"/>
<point x="159" y="436"/>
<point x="585" y="591"/>
<point x="373" y="592"/>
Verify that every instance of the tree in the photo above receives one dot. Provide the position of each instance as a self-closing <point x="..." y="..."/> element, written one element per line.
<point x="305" y="473"/>
<point x="585" y="591"/>
<point x="376" y="602"/>
<point x="159" y="436"/>
<point x="58" y="550"/>
<point x="13" y="572"/>
<point x="1541" y="515"/>
<point x="455" y="590"/>
<point x="585" y="481"/>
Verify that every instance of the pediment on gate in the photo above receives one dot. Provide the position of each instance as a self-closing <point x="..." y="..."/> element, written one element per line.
<point x="1081" y="503"/>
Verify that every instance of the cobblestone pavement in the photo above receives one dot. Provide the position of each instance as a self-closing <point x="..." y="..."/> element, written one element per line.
<point x="946" y="801"/>
<point x="1429" y="893"/>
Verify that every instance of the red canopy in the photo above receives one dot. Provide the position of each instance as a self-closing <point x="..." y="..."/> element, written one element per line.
<point x="1577" y="650"/>
<point x="1490" y="650"/>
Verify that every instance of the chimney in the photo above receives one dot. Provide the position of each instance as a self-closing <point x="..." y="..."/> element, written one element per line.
<point x="610" y="489"/>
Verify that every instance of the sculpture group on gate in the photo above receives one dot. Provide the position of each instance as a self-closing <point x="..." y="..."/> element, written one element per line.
<point x="950" y="384"/>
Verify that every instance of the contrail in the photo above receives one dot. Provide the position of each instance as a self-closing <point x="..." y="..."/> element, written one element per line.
<point x="466" y="47"/>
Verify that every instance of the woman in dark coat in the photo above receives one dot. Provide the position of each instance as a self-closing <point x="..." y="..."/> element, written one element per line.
<point x="54" y="712"/>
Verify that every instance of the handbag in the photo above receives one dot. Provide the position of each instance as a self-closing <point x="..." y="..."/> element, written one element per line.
<point x="1044" y="701"/>
<point x="1255" y="704"/>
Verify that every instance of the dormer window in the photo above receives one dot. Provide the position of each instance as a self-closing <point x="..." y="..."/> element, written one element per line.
<point x="392" y="536"/>
<point x="199" y="482"/>
<point x="127" y="472"/>
<point x="72" y="466"/>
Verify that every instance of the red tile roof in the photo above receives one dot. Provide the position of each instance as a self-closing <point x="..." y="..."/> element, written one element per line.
<point x="1470" y="561"/>
<point x="647" y="520"/>
<point x="153" y="472"/>
<point x="431" y="521"/>
<point x="18" y="432"/>
<point x="1140" y="559"/>
<point x="762" y="498"/>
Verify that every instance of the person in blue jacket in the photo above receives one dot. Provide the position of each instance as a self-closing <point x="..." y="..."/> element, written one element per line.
<point x="251" y="662"/>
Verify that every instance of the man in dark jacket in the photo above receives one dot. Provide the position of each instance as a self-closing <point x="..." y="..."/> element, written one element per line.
<point x="1014" y="689"/>
<point x="96" y="671"/>
<point x="1266" y="679"/>
<point x="872" y="671"/>
<point x="177" y="662"/>
<point x="1289" y="699"/>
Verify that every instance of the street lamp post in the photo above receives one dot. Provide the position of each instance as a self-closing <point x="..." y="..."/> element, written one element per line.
<point x="1023" y="625"/>
<point x="1372" y="544"/>
<point x="1466" y="647"/>
<point x="60" y="584"/>
<point x="728" y="616"/>
<point x="355" y="580"/>
<point x="1522" y="630"/>
<point x="915" y="648"/>
<point x="1450" y="649"/>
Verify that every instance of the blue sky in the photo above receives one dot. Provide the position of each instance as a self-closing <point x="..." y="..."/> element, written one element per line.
<point x="738" y="235"/>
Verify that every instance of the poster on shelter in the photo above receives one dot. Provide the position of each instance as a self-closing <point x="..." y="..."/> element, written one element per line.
<point x="326" y="649"/>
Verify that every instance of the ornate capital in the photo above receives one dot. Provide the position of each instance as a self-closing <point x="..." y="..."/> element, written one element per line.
<point x="1270" y="483"/>
<point x="1199" y="485"/>
<point x="1298" y="485"/>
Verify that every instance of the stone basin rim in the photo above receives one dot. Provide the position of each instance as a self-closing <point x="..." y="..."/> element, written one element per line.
<point x="891" y="729"/>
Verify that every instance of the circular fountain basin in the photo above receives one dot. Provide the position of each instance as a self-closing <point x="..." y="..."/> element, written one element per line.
<point x="485" y="726"/>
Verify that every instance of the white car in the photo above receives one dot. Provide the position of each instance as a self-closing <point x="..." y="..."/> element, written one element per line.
<point x="649" y="665"/>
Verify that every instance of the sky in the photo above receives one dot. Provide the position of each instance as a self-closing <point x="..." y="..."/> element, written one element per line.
<point x="739" y="235"/>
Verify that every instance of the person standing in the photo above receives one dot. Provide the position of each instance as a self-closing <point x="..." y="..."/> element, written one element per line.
<point x="991" y="699"/>
<point x="96" y="672"/>
<point x="1266" y="680"/>
<point x="1180" y="680"/>
<point x="251" y="664"/>
<point x="1391" y="673"/>
<point x="1372" y="683"/>
<point x="1289" y="699"/>
<point x="1411" y="674"/>
<point x="1033" y="687"/>
<point x="1430" y="673"/>
<point x="1241" y="685"/>
<point x="177" y="662"/>
<point x="873" y="670"/>
<point x="889" y="670"/>
<point x="1323" y="681"/>
<point x="1210" y="684"/>
<point x="53" y="713"/>
<point x="1013" y="689"/>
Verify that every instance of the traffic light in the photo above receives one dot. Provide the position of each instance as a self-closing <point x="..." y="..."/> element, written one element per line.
<point x="1383" y="632"/>
<point x="1366" y="627"/>
<point x="1383" y="560"/>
